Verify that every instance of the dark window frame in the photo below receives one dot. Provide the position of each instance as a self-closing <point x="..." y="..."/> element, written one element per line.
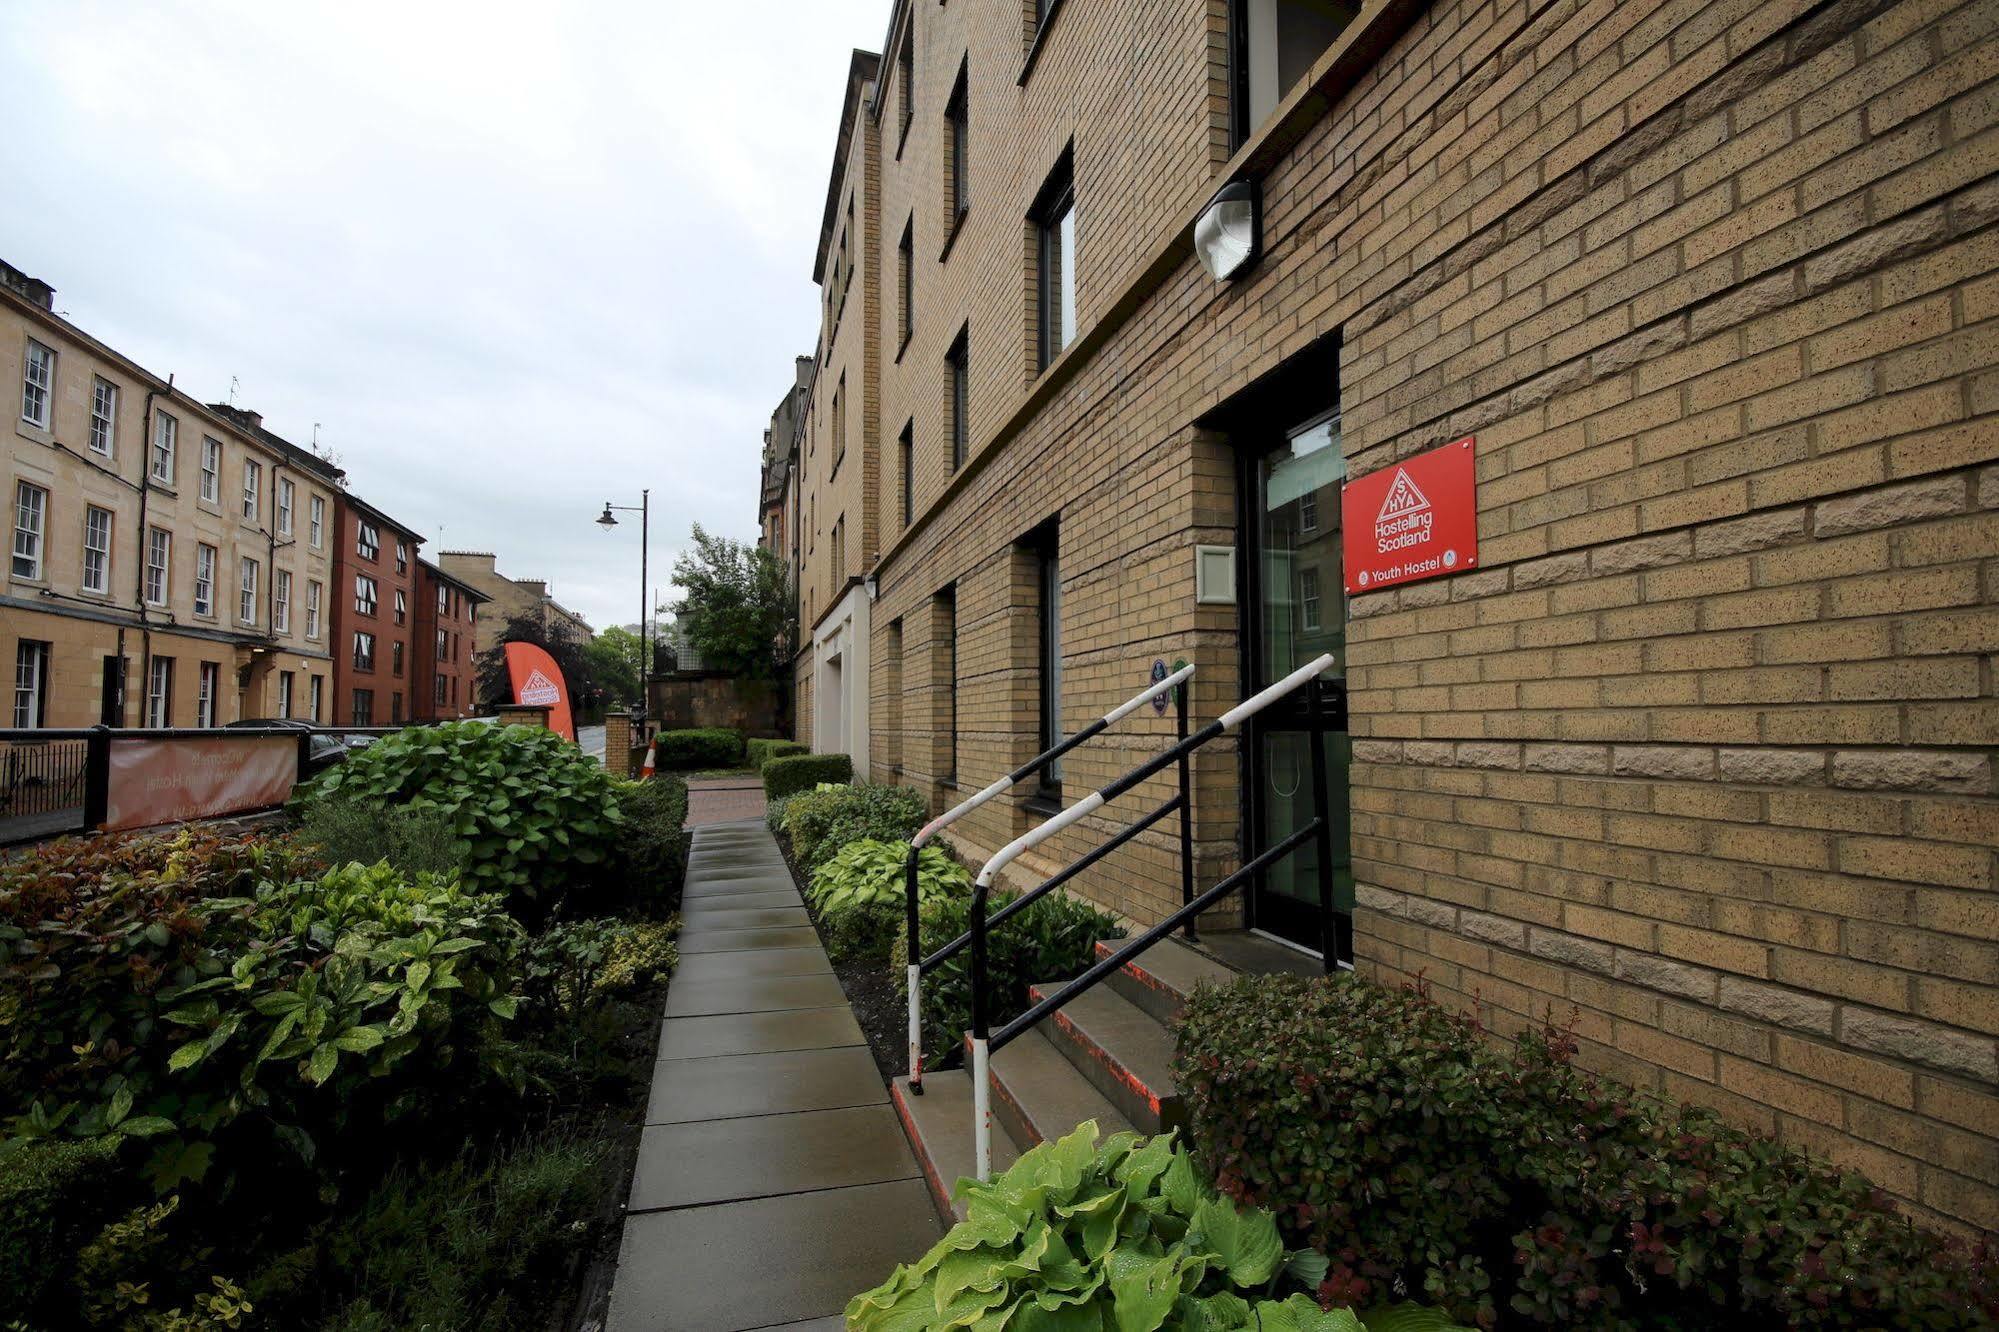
<point x="957" y="156"/>
<point x="905" y="258"/>
<point x="958" y="404"/>
<point x="1056" y="201"/>
<point x="906" y="446"/>
<point x="905" y="65"/>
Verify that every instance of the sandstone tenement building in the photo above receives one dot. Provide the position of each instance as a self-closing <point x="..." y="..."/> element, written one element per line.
<point x="1701" y="751"/>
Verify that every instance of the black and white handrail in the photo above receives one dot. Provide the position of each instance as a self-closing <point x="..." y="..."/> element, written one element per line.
<point x="983" y="1042"/>
<point x="918" y="964"/>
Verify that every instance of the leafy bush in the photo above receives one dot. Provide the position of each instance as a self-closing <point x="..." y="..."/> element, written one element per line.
<point x="868" y="872"/>
<point x="821" y="821"/>
<point x="1052" y="939"/>
<point x="652" y="852"/>
<point x="760" y="752"/>
<point x="774" y="813"/>
<point x="1393" y="1136"/>
<point x="415" y="841"/>
<point x="531" y="813"/>
<point x="864" y="935"/>
<point x="710" y="747"/>
<point x="802" y="772"/>
<point x="1123" y="1234"/>
<point x="53" y="1195"/>
<point x="641" y="956"/>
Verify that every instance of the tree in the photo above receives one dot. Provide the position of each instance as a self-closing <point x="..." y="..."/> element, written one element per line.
<point x="736" y="606"/>
<point x="614" y="658"/>
<point x="586" y="692"/>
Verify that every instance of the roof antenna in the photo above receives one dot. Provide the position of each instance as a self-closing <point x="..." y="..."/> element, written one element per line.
<point x="234" y="384"/>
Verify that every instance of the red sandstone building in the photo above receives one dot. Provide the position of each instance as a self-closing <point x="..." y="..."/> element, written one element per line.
<point x="375" y="592"/>
<point x="446" y="677"/>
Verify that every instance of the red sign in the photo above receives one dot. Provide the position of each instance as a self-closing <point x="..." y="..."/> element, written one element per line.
<point x="1415" y="519"/>
<point x="538" y="680"/>
<point x="156" y="781"/>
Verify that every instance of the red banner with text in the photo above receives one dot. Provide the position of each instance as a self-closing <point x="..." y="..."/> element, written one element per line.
<point x="537" y="680"/>
<point x="155" y="780"/>
<point x="1415" y="519"/>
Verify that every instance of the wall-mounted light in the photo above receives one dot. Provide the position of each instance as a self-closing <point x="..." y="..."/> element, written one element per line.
<point x="1229" y="232"/>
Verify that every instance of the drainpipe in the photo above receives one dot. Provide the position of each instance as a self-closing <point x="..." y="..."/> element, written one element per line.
<point x="139" y="564"/>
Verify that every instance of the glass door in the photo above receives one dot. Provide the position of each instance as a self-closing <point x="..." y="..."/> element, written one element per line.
<point x="1295" y="611"/>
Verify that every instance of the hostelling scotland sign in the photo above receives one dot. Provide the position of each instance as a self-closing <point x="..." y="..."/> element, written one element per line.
<point x="1415" y="519"/>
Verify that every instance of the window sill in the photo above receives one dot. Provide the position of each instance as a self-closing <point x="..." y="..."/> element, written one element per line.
<point x="29" y="430"/>
<point x="1039" y="40"/>
<point x="951" y="236"/>
<point x="1043" y="803"/>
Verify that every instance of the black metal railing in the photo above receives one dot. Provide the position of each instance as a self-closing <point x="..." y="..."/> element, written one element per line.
<point x="984" y="1042"/>
<point x="919" y="964"/>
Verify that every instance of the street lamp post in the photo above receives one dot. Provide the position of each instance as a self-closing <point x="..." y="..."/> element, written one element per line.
<point x="607" y="521"/>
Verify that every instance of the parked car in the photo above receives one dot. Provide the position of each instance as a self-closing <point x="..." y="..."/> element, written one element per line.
<point x="323" y="750"/>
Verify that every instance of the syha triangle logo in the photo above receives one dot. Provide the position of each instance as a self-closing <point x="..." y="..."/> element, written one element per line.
<point x="1403" y="498"/>
<point x="539" y="690"/>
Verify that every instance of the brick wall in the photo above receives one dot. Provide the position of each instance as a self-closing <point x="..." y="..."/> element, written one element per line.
<point x="1702" y="755"/>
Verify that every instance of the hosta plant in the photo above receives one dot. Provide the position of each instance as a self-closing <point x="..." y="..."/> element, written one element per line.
<point x="869" y="872"/>
<point x="1119" y="1235"/>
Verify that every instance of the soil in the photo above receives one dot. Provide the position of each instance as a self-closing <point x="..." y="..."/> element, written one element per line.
<point x="878" y="999"/>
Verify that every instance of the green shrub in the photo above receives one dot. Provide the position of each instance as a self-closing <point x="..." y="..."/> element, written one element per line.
<point x="859" y="893"/>
<point x="760" y="752"/>
<point x="53" y="1196"/>
<point x="651" y="858"/>
<point x="1394" y="1136"/>
<point x="1121" y="1235"/>
<point x="1053" y="939"/>
<point x="774" y="812"/>
<point x="415" y="841"/>
<point x="687" y="751"/>
<point x="802" y="772"/>
<point x="532" y="814"/>
<point x="821" y="821"/>
<point x="862" y="936"/>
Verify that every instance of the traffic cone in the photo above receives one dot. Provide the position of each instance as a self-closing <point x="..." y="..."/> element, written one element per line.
<point x="645" y="769"/>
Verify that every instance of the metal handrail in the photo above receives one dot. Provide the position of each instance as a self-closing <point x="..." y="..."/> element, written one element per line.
<point x="983" y="1042"/>
<point x="918" y="964"/>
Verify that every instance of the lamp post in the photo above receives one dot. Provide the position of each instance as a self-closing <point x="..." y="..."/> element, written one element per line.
<point x="607" y="521"/>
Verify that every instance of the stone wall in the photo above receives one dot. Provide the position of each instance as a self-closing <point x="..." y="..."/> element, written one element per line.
<point x="689" y="700"/>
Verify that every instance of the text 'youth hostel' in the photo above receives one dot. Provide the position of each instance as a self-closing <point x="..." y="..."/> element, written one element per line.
<point x="1609" y="387"/>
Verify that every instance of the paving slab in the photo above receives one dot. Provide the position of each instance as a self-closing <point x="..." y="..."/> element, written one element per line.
<point x="748" y="918"/>
<point x="726" y="941"/>
<point x="768" y="1261"/>
<point x="700" y="968"/>
<point x="731" y="1086"/>
<point x="770" y="881"/>
<point x="759" y="1033"/>
<point x="694" y="908"/>
<point x="727" y="1160"/>
<point x="750" y="994"/>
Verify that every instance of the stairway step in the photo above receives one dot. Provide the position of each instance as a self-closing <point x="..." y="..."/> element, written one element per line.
<point x="1125" y="1052"/>
<point x="1160" y="979"/>
<point x="1039" y="1096"/>
<point x="939" y="1125"/>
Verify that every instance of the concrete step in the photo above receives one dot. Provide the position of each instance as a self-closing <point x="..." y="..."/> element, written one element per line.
<point x="1125" y="1052"/>
<point x="1159" y="979"/>
<point x="939" y="1125"/>
<point x="1038" y="1096"/>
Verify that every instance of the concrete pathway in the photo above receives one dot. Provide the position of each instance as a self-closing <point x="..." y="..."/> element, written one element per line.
<point x="774" y="1182"/>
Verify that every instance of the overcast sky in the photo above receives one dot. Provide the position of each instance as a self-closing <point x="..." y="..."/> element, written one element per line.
<point x="514" y="260"/>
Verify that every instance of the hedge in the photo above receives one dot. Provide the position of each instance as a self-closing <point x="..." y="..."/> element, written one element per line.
<point x="652" y="857"/>
<point x="761" y="752"/>
<point x="819" y="822"/>
<point x="1509" y="1185"/>
<point x="686" y="751"/>
<point x="54" y="1194"/>
<point x="802" y="772"/>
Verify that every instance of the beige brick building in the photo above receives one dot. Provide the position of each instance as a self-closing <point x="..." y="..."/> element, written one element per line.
<point x="170" y="561"/>
<point x="506" y="597"/>
<point x="1702" y="750"/>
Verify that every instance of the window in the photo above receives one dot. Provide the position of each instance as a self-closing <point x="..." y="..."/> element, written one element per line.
<point x="364" y="651"/>
<point x="1048" y="570"/>
<point x="957" y="136"/>
<point x="286" y="493"/>
<point x="281" y="602"/>
<point x="402" y="558"/>
<point x="312" y="609"/>
<point x="944" y="635"/>
<point x="96" y="549"/>
<point x="437" y="692"/>
<point x="31" y="682"/>
<point x="443" y="646"/>
<point x="364" y="707"/>
<point x="253" y="484"/>
<point x="1274" y="44"/>
<point x="364" y="594"/>
<point x="284" y="695"/>
<point x="160" y="692"/>
<point x="315" y="690"/>
<point x="31" y="512"/>
<point x="905" y="284"/>
<point x="443" y="599"/>
<point x="1308" y="511"/>
<point x="395" y="706"/>
<point x="905" y="448"/>
<point x="211" y="470"/>
<point x="208" y="680"/>
<point x="367" y="541"/>
<point x="905" y="95"/>
<point x="318" y="528"/>
<point x="204" y="579"/>
<point x="402" y="606"/>
<point x="955" y="406"/>
<point x="159" y="565"/>
<point x="840" y="549"/>
<point x="396" y="657"/>
<point x="839" y="421"/>
<point x="103" y="416"/>
<point x="1055" y="226"/>
<point x="246" y="602"/>
<point x="37" y="380"/>
<point x="166" y="433"/>
<point x="1308" y="596"/>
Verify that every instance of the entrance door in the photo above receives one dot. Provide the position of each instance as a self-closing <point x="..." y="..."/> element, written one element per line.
<point x="1294" y="609"/>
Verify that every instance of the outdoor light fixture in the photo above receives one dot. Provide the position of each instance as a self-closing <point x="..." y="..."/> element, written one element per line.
<point x="1229" y="232"/>
<point x="607" y="520"/>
